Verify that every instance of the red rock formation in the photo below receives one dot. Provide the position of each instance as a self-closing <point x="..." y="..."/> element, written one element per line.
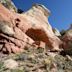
<point x="41" y="30"/>
<point x="26" y="29"/>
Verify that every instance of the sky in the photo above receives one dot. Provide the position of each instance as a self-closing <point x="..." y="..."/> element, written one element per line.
<point x="61" y="11"/>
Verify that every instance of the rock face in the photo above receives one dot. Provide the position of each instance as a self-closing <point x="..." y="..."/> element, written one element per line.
<point x="42" y="30"/>
<point x="5" y="28"/>
<point x="9" y="4"/>
<point x="27" y="29"/>
<point x="56" y="32"/>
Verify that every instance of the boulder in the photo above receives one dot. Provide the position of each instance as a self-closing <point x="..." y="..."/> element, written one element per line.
<point x="10" y="64"/>
<point x="67" y="39"/>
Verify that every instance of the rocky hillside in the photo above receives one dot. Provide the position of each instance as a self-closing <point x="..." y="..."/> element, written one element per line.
<point x="28" y="43"/>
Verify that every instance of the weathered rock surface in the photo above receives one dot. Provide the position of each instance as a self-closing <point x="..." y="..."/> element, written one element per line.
<point x="67" y="44"/>
<point x="67" y="38"/>
<point x="56" y="32"/>
<point x="9" y="4"/>
<point x="10" y="64"/>
<point x="42" y="30"/>
<point x="27" y="29"/>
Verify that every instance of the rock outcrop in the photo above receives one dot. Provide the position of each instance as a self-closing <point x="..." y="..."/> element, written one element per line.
<point x="9" y="5"/>
<point x="31" y="28"/>
<point x="67" y="41"/>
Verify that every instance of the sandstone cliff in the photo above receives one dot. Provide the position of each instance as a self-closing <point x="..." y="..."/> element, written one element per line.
<point x="31" y="27"/>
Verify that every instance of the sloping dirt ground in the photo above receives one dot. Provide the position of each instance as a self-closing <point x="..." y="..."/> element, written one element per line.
<point x="37" y="60"/>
